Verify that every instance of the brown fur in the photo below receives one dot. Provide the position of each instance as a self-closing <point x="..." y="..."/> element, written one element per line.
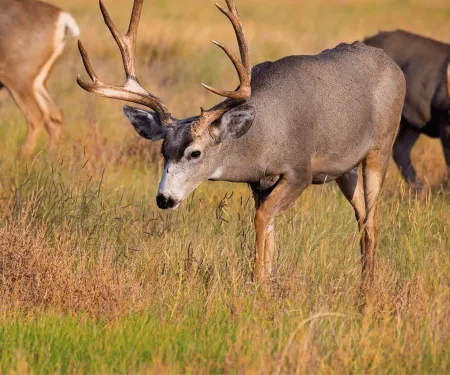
<point x="351" y="186"/>
<point x="28" y="52"/>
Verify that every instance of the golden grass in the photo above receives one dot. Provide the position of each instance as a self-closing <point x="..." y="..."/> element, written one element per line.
<point x="94" y="278"/>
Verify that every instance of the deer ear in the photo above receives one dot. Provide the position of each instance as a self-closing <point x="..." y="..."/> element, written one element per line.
<point x="145" y="123"/>
<point x="235" y="123"/>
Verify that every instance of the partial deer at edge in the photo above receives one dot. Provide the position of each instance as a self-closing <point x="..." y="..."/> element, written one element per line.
<point x="32" y="37"/>
<point x="291" y="123"/>
<point x="426" y="65"/>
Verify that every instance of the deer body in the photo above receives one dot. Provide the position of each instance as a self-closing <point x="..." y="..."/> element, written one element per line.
<point x="291" y="123"/>
<point x="305" y="122"/>
<point x="32" y="37"/>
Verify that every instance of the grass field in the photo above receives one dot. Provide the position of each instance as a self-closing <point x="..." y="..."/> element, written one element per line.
<point x="95" y="279"/>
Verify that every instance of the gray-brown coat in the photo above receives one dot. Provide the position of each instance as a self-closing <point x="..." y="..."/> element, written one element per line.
<point x="291" y="123"/>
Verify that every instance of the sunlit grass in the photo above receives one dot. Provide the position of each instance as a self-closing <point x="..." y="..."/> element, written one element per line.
<point x="95" y="279"/>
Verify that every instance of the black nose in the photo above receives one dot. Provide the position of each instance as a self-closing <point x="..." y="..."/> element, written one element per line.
<point x="164" y="202"/>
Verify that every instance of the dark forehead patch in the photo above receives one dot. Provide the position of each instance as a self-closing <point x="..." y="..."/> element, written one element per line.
<point x="177" y="139"/>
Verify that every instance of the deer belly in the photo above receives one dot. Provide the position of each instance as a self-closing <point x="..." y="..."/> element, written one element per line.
<point x="330" y="167"/>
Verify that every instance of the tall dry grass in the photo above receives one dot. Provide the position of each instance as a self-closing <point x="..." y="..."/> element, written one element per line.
<point x="94" y="278"/>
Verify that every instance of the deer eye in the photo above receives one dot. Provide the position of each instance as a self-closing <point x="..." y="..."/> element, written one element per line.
<point x="195" y="154"/>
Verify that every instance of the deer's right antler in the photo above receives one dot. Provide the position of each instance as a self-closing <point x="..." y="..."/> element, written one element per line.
<point x="132" y="90"/>
<point x="243" y="68"/>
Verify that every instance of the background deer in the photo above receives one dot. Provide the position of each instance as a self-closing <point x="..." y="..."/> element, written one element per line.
<point x="291" y="123"/>
<point x="32" y="37"/>
<point x="426" y="65"/>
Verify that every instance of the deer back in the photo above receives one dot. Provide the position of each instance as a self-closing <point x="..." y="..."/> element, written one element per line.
<point x="337" y="103"/>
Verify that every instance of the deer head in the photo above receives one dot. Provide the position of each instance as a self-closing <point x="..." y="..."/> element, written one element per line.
<point x="190" y="146"/>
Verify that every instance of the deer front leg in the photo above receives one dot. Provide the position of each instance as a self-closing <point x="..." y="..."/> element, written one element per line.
<point x="282" y="197"/>
<point x="260" y="193"/>
<point x="269" y="249"/>
<point x="264" y="253"/>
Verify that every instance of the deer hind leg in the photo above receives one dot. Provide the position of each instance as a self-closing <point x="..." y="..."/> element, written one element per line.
<point x="445" y="139"/>
<point x="282" y="197"/>
<point x="374" y="171"/>
<point x="351" y="186"/>
<point x="403" y="145"/>
<point x="52" y="114"/>
<point x="30" y="108"/>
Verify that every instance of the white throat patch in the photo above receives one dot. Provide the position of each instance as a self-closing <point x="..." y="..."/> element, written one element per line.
<point x="217" y="174"/>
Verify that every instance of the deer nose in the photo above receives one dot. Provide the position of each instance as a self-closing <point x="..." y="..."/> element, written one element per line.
<point x="164" y="202"/>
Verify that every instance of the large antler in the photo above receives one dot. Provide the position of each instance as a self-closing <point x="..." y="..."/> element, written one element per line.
<point x="132" y="90"/>
<point x="243" y="68"/>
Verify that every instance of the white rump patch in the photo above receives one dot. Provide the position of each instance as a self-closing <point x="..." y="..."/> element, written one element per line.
<point x="66" y="21"/>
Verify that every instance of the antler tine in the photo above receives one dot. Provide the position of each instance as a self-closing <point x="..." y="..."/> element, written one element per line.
<point x="242" y="42"/>
<point x="241" y="72"/>
<point x="243" y="67"/>
<point x="87" y="64"/>
<point x="126" y="43"/>
<point x="135" y="18"/>
<point x="132" y="90"/>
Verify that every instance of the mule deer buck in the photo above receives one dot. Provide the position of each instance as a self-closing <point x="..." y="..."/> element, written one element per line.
<point x="32" y="37"/>
<point x="426" y="65"/>
<point x="291" y="123"/>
